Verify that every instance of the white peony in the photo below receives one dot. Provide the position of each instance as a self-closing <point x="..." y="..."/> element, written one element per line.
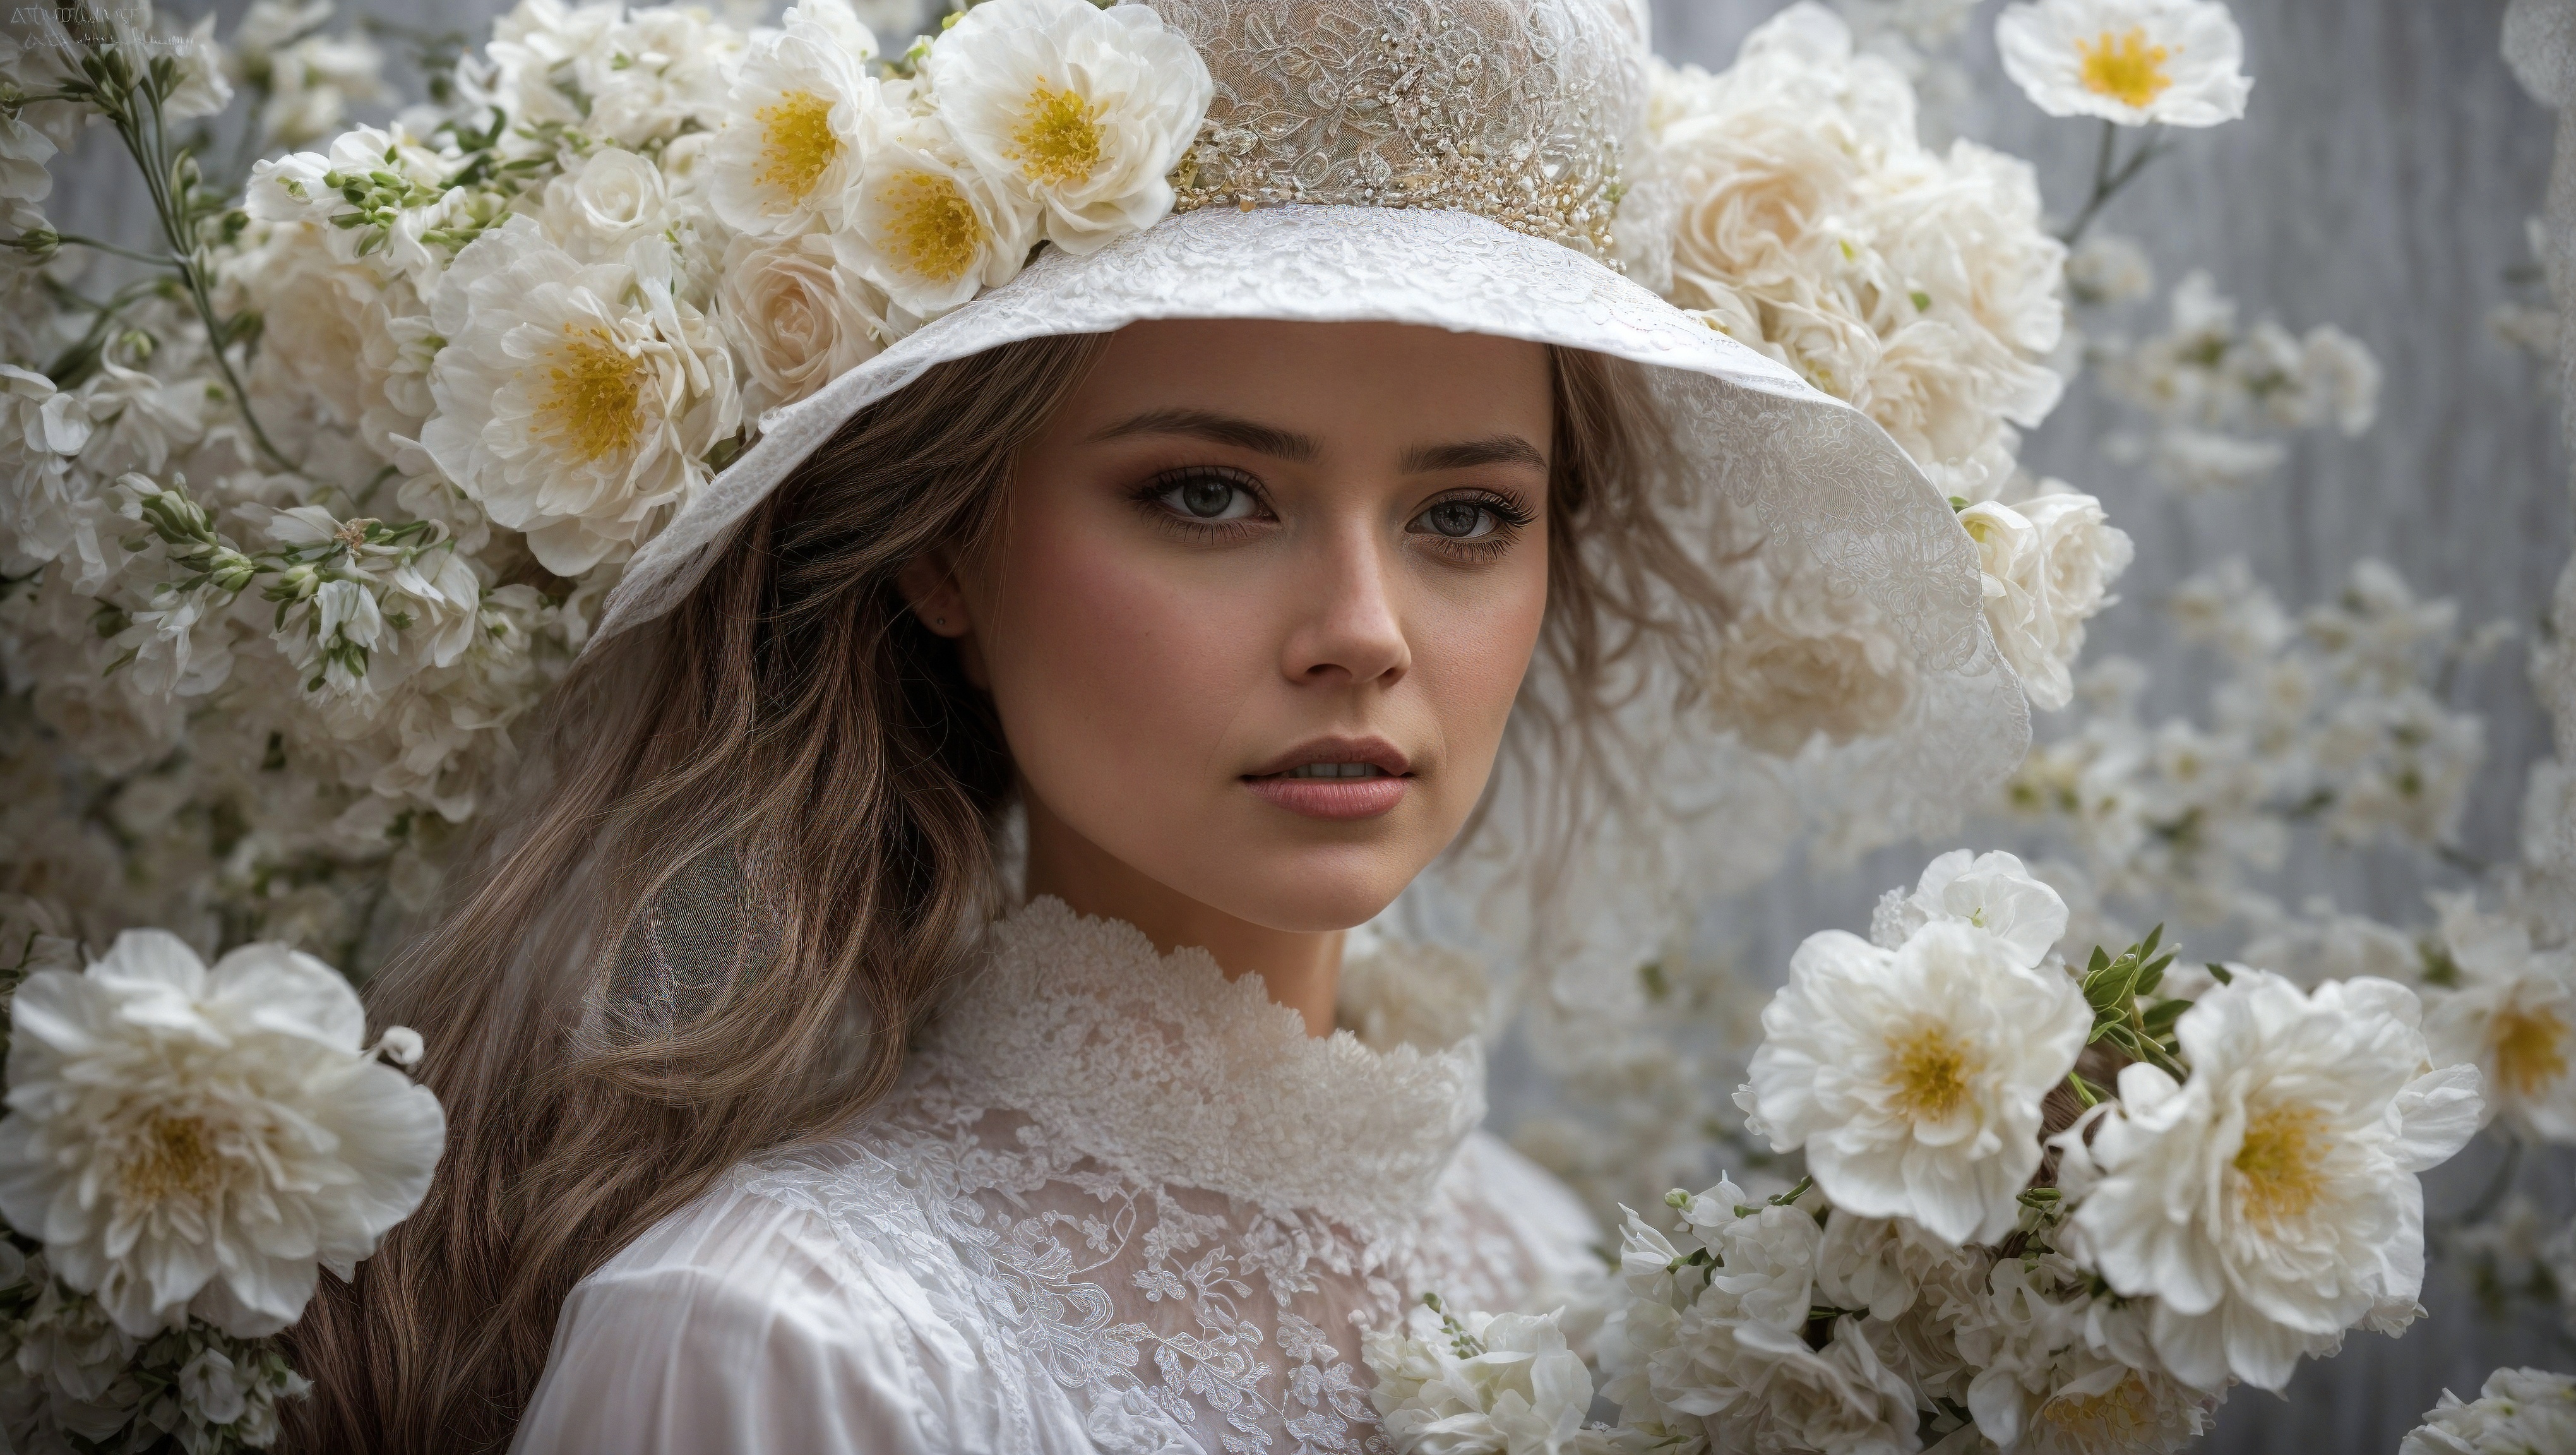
<point x="1991" y="892"/>
<point x="1483" y="1384"/>
<point x="188" y="1141"/>
<point x="928" y="228"/>
<point x="797" y="128"/>
<point x="1078" y="111"/>
<point x="2270" y="1201"/>
<point x="2177" y="62"/>
<point x="797" y="318"/>
<point x="1913" y="1078"/>
<point x="575" y="403"/>
<point x="2510" y="1011"/>
<point x="1800" y="660"/>
<point x="2519" y="1412"/>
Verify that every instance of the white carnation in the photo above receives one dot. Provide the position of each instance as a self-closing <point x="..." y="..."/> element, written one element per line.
<point x="1913" y="1078"/>
<point x="1078" y="111"/>
<point x="575" y="403"/>
<point x="188" y="1141"/>
<point x="2270" y="1202"/>
<point x="2519" y="1412"/>
<point x="2177" y="62"/>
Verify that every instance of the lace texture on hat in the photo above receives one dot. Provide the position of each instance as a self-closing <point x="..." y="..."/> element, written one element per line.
<point x="1514" y="112"/>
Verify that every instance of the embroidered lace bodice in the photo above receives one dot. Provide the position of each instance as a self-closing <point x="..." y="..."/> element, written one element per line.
<point x="1118" y="1204"/>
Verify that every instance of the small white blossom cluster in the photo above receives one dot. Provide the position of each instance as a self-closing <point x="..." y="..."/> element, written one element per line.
<point x="268" y="615"/>
<point x="2221" y="392"/>
<point x="2050" y="1207"/>
<point x="1484" y="1384"/>
<point x="2520" y="1411"/>
<point x="2335" y="716"/>
<point x="185" y="1149"/>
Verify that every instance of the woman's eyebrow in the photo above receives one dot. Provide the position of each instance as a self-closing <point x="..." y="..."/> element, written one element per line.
<point x="1501" y="449"/>
<point x="1224" y="429"/>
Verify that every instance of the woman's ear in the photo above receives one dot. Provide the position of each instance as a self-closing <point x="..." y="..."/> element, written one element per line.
<point x="929" y="586"/>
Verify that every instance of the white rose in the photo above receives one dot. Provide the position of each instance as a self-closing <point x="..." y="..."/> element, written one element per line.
<point x="611" y="198"/>
<point x="798" y="319"/>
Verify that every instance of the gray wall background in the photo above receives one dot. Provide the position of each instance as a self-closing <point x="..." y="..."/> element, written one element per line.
<point x="2379" y="183"/>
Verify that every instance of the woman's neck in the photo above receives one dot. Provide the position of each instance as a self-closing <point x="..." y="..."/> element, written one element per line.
<point x="1300" y="969"/>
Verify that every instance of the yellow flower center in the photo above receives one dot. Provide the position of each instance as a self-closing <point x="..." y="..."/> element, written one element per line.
<point x="594" y="395"/>
<point x="796" y="143"/>
<point x="931" y="226"/>
<point x="2281" y="1162"/>
<point x="177" y="1160"/>
<point x="2121" y="1417"/>
<point x="2125" y="67"/>
<point x="1932" y="1071"/>
<point x="1057" y="142"/>
<point x="2528" y="1049"/>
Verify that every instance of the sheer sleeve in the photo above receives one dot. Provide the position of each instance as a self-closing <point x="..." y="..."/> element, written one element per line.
<point x="743" y="1325"/>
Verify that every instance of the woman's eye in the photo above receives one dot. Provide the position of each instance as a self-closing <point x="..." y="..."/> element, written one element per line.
<point x="1459" y="520"/>
<point x="1210" y="498"/>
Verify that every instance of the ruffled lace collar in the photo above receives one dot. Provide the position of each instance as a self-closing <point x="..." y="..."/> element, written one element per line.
<point x="1160" y="1066"/>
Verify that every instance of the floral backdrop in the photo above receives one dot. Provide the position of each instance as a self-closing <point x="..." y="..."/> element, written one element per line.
<point x="2305" y="367"/>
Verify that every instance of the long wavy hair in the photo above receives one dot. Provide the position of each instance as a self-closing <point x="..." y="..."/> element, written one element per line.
<point x="752" y="843"/>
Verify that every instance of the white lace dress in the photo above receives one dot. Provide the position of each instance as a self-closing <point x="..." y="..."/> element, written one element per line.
<point x="1118" y="1204"/>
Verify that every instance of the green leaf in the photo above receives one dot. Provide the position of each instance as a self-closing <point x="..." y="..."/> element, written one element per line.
<point x="2219" y="973"/>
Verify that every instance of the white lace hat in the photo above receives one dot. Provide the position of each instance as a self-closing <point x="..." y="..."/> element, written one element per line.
<point x="1464" y="164"/>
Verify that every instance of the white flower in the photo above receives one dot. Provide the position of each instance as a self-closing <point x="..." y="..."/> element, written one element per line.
<point x="1077" y="110"/>
<point x="1913" y="1078"/>
<point x="24" y="151"/>
<point x="211" y="1390"/>
<point x="2511" y="1012"/>
<point x="1710" y="1344"/>
<point x="1486" y="1384"/>
<point x="928" y="228"/>
<point x="2017" y="614"/>
<point x="2519" y="1412"/>
<point x="2270" y="1202"/>
<point x="2107" y="269"/>
<point x="797" y="129"/>
<point x="1396" y="993"/>
<point x="2177" y="62"/>
<point x="1799" y="660"/>
<point x="188" y="1141"/>
<point x="2081" y="554"/>
<point x="575" y="403"/>
<point x="612" y="198"/>
<point x="1991" y="892"/>
<point x="798" y="319"/>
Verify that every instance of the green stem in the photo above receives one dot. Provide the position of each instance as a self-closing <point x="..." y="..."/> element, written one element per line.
<point x="148" y="144"/>
<point x="73" y="239"/>
<point x="2109" y="176"/>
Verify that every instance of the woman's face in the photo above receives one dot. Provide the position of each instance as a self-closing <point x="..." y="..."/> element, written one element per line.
<point x="1261" y="600"/>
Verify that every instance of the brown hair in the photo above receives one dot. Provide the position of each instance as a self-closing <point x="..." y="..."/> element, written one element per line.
<point x="754" y="843"/>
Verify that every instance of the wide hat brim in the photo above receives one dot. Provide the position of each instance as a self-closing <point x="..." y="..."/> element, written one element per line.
<point x="1816" y="475"/>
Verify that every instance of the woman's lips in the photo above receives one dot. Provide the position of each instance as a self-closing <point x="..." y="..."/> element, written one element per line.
<point x="1331" y="798"/>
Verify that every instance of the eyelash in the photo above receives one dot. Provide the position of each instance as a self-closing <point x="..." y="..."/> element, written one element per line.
<point x="1511" y="517"/>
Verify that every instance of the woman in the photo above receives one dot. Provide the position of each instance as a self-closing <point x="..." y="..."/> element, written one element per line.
<point x="900" y="1015"/>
